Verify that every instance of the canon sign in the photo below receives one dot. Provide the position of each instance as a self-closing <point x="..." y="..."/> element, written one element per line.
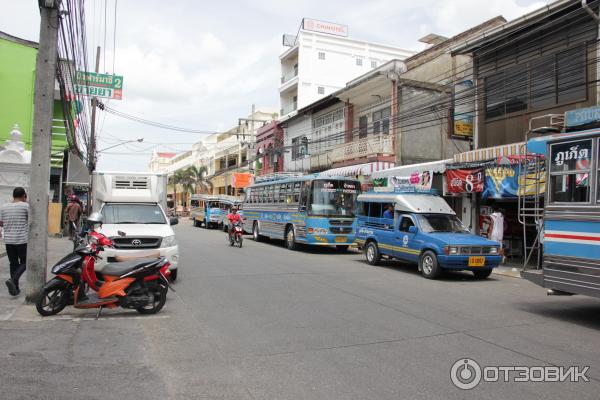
<point x="324" y="27"/>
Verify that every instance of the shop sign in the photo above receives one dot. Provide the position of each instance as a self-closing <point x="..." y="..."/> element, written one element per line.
<point x="464" y="180"/>
<point x="464" y="110"/>
<point x="415" y="182"/>
<point x="99" y="85"/>
<point x="571" y="156"/>
<point x="501" y="181"/>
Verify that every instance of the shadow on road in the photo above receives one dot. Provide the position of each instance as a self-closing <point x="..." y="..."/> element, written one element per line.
<point x="585" y="315"/>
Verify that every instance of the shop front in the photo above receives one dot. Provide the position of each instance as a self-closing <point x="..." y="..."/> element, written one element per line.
<point x="362" y="172"/>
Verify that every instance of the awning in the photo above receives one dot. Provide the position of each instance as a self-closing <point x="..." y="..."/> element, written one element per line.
<point x="406" y="170"/>
<point x="360" y="169"/>
<point x="489" y="153"/>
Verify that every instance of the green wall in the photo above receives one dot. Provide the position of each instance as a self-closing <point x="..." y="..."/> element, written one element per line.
<point x="17" y="81"/>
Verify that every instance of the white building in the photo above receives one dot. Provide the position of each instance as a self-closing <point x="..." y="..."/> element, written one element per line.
<point x="320" y="59"/>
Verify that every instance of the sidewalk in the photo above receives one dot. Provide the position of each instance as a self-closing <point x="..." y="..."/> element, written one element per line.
<point x="57" y="248"/>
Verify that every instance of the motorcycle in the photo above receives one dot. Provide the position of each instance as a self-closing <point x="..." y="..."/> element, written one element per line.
<point x="236" y="236"/>
<point x="140" y="284"/>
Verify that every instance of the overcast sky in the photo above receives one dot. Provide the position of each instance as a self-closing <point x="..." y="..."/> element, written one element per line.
<point x="203" y="64"/>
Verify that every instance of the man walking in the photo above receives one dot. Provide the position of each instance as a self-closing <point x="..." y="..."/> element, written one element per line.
<point x="73" y="212"/>
<point x="14" y="217"/>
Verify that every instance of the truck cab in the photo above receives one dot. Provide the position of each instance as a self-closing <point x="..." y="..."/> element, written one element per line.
<point x="422" y="229"/>
<point x="134" y="203"/>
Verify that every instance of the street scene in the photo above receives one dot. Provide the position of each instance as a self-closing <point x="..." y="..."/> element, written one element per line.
<point x="382" y="200"/>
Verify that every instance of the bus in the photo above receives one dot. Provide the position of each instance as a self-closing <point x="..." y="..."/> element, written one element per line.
<point x="307" y="209"/>
<point x="210" y="211"/>
<point x="570" y="223"/>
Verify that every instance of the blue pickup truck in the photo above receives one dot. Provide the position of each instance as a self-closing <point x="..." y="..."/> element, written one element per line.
<point x="421" y="228"/>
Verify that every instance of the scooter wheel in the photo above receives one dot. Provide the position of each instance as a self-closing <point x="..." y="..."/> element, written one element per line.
<point x="160" y="297"/>
<point x="54" y="298"/>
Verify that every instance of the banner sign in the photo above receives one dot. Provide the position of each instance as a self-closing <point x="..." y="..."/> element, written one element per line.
<point x="501" y="181"/>
<point x="464" y="180"/>
<point x="582" y="116"/>
<point x="415" y="182"/>
<point x="241" y="180"/>
<point x="99" y="85"/>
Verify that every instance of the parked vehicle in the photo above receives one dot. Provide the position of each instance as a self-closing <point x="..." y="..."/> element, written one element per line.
<point x="570" y="225"/>
<point x="135" y="203"/>
<point x="308" y="209"/>
<point x="421" y="228"/>
<point x="210" y="211"/>
<point x="140" y="284"/>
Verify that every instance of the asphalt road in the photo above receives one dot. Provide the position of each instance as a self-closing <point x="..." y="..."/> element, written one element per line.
<point x="263" y="322"/>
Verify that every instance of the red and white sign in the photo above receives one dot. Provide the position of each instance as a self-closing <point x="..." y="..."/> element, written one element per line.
<point x="464" y="180"/>
<point x="324" y="27"/>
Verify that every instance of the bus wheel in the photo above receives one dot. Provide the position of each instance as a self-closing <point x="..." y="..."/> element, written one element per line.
<point x="255" y="234"/>
<point x="372" y="253"/>
<point x="290" y="239"/>
<point x="429" y="265"/>
<point x="205" y="224"/>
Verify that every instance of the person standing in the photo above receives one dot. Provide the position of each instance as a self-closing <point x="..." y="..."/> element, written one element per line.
<point x="14" y="217"/>
<point x="496" y="231"/>
<point x="73" y="212"/>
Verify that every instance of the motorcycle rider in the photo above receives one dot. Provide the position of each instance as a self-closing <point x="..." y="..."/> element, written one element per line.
<point x="233" y="217"/>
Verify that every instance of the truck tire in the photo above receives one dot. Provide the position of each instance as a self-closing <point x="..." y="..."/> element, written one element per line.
<point x="255" y="233"/>
<point x="290" y="239"/>
<point x="372" y="253"/>
<point x="428" y="265"/>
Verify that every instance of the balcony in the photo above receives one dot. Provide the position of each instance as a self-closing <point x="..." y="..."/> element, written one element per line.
<point x="367" y="147"/>
<point x="289" y="76"/>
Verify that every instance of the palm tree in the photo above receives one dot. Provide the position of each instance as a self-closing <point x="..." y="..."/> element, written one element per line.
<point x="175" y="180"/>
<point x="198" y="175"/>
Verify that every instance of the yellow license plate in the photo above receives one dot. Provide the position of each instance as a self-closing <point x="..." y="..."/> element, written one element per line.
<point x="340" y="239"/>
<point x="476" y="261"/>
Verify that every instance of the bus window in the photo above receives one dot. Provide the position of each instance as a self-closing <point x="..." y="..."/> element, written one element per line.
<point x="194" y="203"/>
<point x="332" y="197"/>
<point x="375" y="210"/>
<point x="570" y="170"/>
<point x="362" y="208"/>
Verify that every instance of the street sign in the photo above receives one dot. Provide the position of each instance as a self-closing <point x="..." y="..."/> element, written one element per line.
<point x="99" y="85"/>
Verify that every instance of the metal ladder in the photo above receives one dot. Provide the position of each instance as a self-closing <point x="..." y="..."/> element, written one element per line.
<point x="531" y="207"/>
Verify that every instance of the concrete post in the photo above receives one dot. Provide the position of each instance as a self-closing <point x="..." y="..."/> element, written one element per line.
<point x="40" y="152"/>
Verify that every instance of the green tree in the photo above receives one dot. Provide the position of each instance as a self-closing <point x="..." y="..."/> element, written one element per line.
<point x="199" y="178"/>
<point x="176" y="179"/>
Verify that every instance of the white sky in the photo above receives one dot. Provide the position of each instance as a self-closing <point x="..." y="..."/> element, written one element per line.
<point x="201" y="64"/>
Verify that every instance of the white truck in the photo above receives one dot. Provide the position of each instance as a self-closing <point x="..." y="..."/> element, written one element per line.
<point x="135" y="203"/>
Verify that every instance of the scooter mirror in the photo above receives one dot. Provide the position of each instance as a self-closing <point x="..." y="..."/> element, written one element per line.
<point x="121" y="233"/>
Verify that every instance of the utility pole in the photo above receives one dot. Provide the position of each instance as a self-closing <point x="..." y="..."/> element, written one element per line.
<point x="45" y="75"/>
<point x="92" y="144"/>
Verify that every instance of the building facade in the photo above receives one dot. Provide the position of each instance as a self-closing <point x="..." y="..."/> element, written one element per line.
<point x="320" y="59"/>
<point x="269" y="149"/>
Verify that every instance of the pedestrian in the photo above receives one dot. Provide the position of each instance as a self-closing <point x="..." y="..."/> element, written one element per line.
<point x="14" y="218"/>
<point x="73" y="213"/>
<point x="496" y="230"/>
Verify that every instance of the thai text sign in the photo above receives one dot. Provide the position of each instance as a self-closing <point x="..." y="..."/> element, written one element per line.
<point x="99" y="85"/>
<point x="464" y="180"/>
<point x="464" y="110"/>
<point x="324" y="27"/>
<point x="582" y="116"/>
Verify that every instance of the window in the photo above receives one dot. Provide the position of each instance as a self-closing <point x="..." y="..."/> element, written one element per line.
<point x="321" y="90"/>
<point x="375" y="210"/>
<point x="373" y="64"/>
<point x="299" y="147"/>
<point x="381" y="120"/>
<point x="570" y="170"/>
<point x="359" y="62"/>
<point x="363" y="123"/>
<point x="554" y="80"/>
<point x="406" y="223"/>
<point x="321" y="55"/>
<point x="327" y="130"/>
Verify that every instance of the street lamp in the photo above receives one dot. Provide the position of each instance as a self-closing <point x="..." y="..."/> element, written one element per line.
<point x="138" y="140"/>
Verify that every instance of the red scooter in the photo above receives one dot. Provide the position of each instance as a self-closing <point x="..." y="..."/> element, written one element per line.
<point x="236" y="235"/>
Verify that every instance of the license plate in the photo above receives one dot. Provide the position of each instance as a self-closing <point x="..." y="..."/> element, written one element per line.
<point x="476" y="261"/>
<point x="340" y="239"/>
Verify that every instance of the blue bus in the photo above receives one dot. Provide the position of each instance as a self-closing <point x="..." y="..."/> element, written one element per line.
<point x="308" y="209"/>
<point x="570" y="225"/>
<point x="210" y="211"/>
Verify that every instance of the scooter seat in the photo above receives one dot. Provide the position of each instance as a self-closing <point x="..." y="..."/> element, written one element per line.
<point x="123" y="267"/>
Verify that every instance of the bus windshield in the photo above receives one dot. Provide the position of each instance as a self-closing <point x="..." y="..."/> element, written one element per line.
<point x="333" y="198"/>
<point x="441" y="223"/>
